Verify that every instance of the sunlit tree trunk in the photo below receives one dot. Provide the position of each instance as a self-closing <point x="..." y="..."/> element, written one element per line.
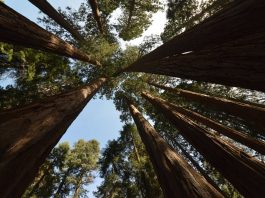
<point x="246" y="173"/>
<point x="227" y="48"/>
<point x="28" y="134"/>
<point x="249" y="112"/>
<point x="176" y="177"/>
<point x="48" y="9"/>
<point x="96" y="13"/>
<point x="18" y="30"/>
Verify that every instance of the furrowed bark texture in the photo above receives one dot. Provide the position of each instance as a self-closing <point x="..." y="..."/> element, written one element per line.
<point x="96" y="13"/>
<point x="18" y="30"/>
<point x="228" y="48"/>
<point x="176" y="177"/>
<point x="28" y="134"/>
<point x="246" y="173"/>
<point x="240" y="137"/>
<point x="249" y="112"/>
<point x="49" y="10"/>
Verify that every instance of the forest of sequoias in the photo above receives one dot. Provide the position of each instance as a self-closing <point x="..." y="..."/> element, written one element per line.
<point x="191" y="99"/>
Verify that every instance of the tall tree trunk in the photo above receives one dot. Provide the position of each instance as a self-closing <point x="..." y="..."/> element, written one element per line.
<point x="246" y="173"/>
<point x="253" y="143"/>
<point x="223" y="49"/>
<point x="176" y="177"/>
<point x="238" y="19"/>
<point x="249" y="112"/>
<point x="28" y="134"/>
<point x="96" y="13"/>
<point x="239" y="63"/>
<point x="18" y="30"/>
<point x="47" y="8"/>
<point x="196" y="165"/>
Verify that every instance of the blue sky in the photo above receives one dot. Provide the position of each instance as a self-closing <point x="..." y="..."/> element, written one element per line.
<point x="99" y="120"/>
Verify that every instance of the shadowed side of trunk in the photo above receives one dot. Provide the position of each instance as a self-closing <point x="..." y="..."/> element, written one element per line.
<point x="29" y="133"/>
<point x="176" y="177"/>
<point x="246" y="173"/>
<point x="18" y="30"/>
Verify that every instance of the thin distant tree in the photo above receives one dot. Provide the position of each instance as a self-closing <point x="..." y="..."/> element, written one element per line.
<point x="96" y="13"/>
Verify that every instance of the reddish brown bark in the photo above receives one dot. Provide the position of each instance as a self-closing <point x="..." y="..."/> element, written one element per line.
<point x="223" y="49"/>
<point x="18" y="30"/>
<point x="29" y="133"/>
<point x="244" y="172"/>
<point x="238" y="19"/>
<point x="176" y="177"/>
<point x="96" y="13"/>
<point x="249" y="112"/>
<point x="47" y="8"/>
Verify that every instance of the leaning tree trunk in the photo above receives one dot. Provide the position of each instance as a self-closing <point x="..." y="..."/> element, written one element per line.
<point x="18" y="30"/>
<point x="253" y="143"/>
<point x="246" y="173"/>
<point x="47" y="8"/>
<point x="176" y="177"/>
<point x="96" y="13"/>
<point x="228" y="48"/>
<point x="28" y="134"/>
<point x="249" y="112"/>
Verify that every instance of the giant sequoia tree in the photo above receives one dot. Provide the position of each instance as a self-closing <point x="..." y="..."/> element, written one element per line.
<point x="223" y="43"/>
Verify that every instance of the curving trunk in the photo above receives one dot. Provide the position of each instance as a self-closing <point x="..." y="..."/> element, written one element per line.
<point x="246" y="173"/>
<point x="227" y="48"/>
<point x="96" y="13"/>
<point x="47" y="9"/>
<point x="176" y="177"/>
<point x="29" y="133"/>
<point x="18" y="30"/>
<point x="247" y="111"/>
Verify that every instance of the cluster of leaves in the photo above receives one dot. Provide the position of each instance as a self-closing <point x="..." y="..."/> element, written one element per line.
<point x="126" y="168"/>
<point x="66" y="171"/>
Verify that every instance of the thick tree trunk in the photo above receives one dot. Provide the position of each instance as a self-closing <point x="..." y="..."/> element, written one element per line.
<point x="246" y="173"/>
<point x="196" y="165"/>
<point x="28" y="134"/>
<point x="18" y="30"/>
<point x="249" y="112"/>
<point x="238" y="19"/>
<point x="176" y="177"/>
<point x="222" y="49"/>
<point x="96" y="13"/>
<point x="240" y="137"/>
<point x="47" y="8"/>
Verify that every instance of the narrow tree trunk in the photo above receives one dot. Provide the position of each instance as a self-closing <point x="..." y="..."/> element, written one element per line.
<point x="78" y="188"/>
<point x="238" y="19"/>
<point x="249" y="112"/>
<point x="47" y="8"/>
<point x="176" y="177"/>
<point x="62" y="183"/>
<point x="18" y="30"/>
<point x="36" y="186"/>
<point x="28" y="134"/>
<point x="253" y="143"/>
<point x="96" y="13"/>
<point x="246" y="173"/>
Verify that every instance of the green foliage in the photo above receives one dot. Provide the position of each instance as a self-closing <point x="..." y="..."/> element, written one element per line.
<point x="66" y="170"/>
<point x="126" y="168"/>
